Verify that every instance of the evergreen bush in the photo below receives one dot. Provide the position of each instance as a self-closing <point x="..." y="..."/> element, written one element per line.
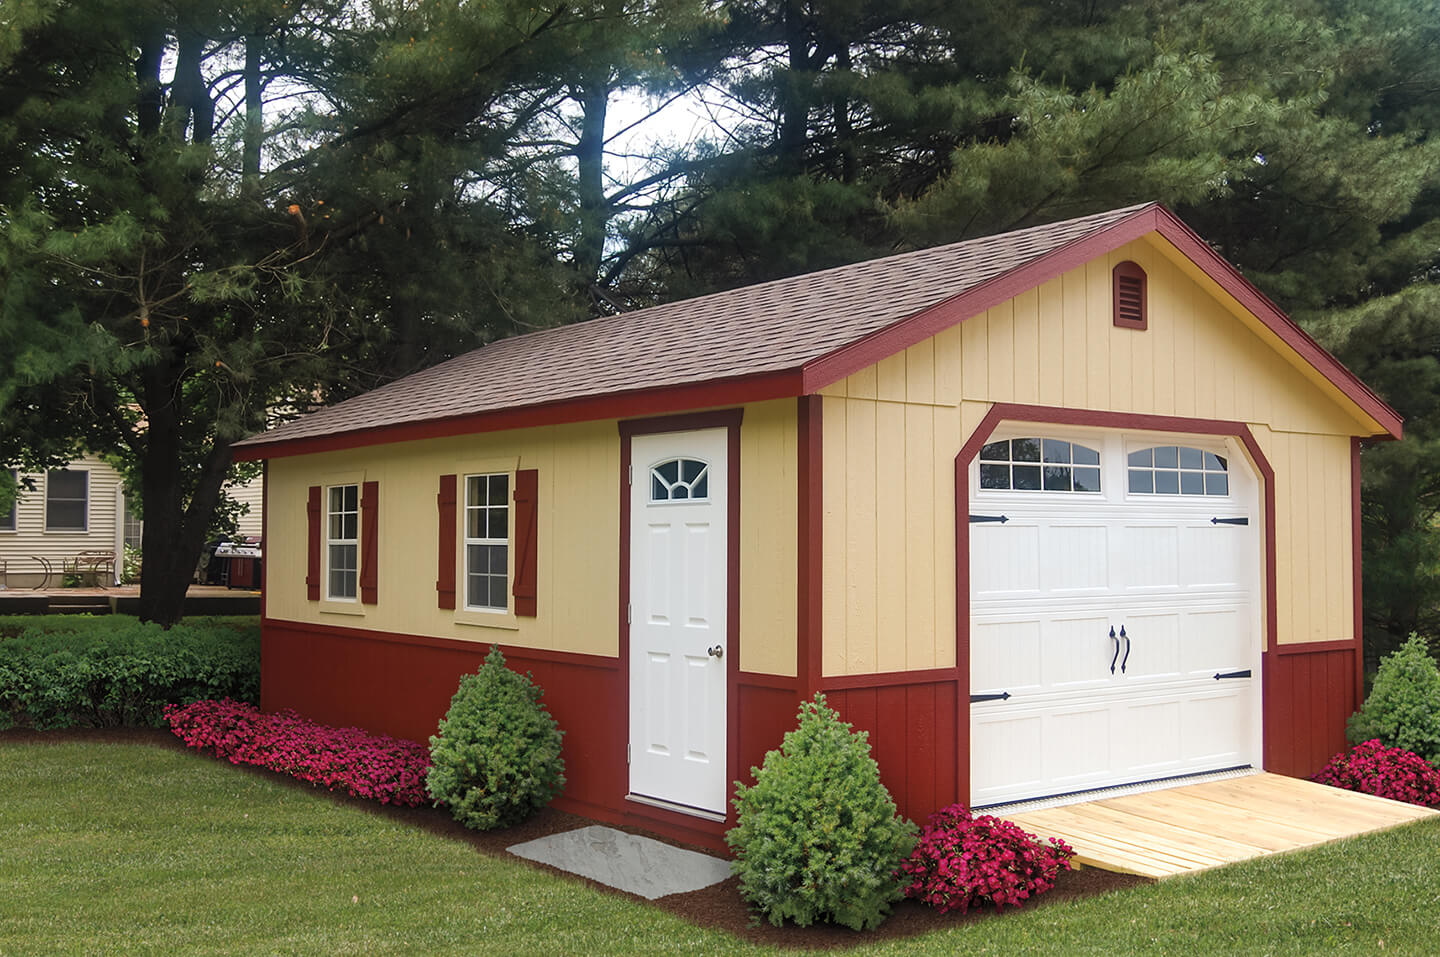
<point x="1403" y="709"/>
<point x="817" y="836"/>
<point x="497" y="757"/>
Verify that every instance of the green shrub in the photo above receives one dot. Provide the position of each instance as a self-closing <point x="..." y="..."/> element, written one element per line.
<point x="1403" y="709"/>
<point x="817" y="836"/>
<point x="71" y="670"/>
<point x="497" y="757"/>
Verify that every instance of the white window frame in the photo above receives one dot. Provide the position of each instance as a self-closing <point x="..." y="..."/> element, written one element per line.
<point x="1217" y="449"/>
<point x="14" y="525"/>
<point x="84" y="528"/>
<point x="333" y="542"/>
<point x="467" y="540"/>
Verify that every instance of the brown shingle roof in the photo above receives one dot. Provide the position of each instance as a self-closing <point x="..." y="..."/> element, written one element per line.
<point x="767" y="328"/>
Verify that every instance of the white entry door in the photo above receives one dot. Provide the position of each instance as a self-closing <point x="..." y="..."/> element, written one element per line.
<point x="678" y="587"/>
<point x="1115" y="609"/>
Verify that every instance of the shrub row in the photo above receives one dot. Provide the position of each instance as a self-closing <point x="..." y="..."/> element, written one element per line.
<point x="73" y="671"/>
<point x="376" y="767"/>
<point x="1386" y="772"/>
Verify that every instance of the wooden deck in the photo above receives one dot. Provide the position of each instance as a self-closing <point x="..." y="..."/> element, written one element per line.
<point x="1193" y="827"/>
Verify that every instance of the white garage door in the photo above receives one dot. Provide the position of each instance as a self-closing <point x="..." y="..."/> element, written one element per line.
<point x="1115" y="611"/>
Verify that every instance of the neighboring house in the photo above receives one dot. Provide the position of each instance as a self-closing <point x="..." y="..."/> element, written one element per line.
<point x="81" y="508"/>
<point x="1067" y="508"/>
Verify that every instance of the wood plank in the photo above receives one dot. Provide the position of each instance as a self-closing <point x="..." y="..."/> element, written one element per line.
<point x="1173" y="833"/>
<point x="1338" y="810"/>
<point x="1170" y="805"/>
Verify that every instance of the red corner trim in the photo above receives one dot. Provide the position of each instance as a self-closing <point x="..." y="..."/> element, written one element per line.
<point x="527" y="522"/>
<point x="1359" y="581"/>
<point x="264" y="531"/>
<point x="1001" y="412"/>
<point x="810" y="513"/>
<point x="369" y="543"/>
<point x="445" y="562"/>
<point x="312" y="545"/>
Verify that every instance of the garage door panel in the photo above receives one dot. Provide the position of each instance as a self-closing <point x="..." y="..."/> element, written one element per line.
<point x="1079" y="746"/>
<point x="1153" y="644"/>
<point x="1006" y="656"/>
<point x="1004" y="560"/>
<point x="1214" y="722"/>
<point x="1074" y="558"/>
<point x="1075" y="653"/>
<point x="1209" y="556"/>
<point x="1151" y="557"/>
<point x="1005" y="755"/>
<point x="1149" y="737"/>
<point x="1216" y="640"/>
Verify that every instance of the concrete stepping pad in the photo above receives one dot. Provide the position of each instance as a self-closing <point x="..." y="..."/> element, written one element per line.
<point x="638" y="865"/>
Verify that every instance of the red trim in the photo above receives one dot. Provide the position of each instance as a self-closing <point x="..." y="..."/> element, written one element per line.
<point x="730" y="420"/>
<point x="1317" y="647"/>
<point x="1001" y="412"/>
<point x="527" y="525"/>
<point x="445" y="560"/>
<point x="446" y="644"/>
<point x="890" y="679"/>
<point x="810" y="514"/>
<point x="264" y="531"/>
<point x="369" y="543"/>
<point x="312" y="545"/>
<point x="1131" y="271"/>
<point x="734" y="390"/>
<point x="1359" y="582"/>
<point x="758" y="679"/>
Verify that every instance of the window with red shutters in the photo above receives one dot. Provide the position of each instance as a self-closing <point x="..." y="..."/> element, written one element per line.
<point x="312" y="549"/>
<point x="445" y="574"/>
<point x="1131" y="309"/>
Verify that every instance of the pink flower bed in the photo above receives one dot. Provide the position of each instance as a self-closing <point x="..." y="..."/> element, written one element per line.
<point x="377" y="767"/>
<point x="961" y="861"/>
<point x="1392" y="773"/>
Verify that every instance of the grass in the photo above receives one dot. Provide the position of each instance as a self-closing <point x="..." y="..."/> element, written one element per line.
<point x="131" y="849"/>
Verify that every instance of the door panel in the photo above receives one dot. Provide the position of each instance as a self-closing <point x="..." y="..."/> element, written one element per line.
<point x="678" y="593"/>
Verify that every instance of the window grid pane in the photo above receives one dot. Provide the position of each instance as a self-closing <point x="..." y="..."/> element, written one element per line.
<point x="1177" y="470"/>
<point x="487" y="542"/>
<point x="1007" y="464"/>
<point x="342" y="525"/>
<point x="679" y="479"/>
<point x="66" y="497"/>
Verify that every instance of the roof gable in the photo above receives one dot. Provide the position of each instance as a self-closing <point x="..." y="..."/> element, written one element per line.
<point x="783" y="338"/>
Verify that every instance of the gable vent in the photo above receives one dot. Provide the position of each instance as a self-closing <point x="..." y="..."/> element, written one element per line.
<point x="1129" y="296"/>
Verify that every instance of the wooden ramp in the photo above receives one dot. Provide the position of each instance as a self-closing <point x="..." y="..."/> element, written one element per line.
<point x="1193" y="827"/>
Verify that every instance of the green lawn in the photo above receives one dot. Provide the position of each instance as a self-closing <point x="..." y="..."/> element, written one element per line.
<point x="113" y="848"/>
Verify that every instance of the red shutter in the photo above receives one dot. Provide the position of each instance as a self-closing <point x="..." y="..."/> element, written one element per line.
<point x="369" y="543"/>
<point x="312" y="552"/>
<point x="445" y="580"/>
<point x="527" y="522"/>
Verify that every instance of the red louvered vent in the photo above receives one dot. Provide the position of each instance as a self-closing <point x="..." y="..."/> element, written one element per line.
<point x="1129" y="296"/>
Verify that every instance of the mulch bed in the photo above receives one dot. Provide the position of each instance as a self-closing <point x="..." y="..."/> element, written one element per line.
<point x="717" y="907"/>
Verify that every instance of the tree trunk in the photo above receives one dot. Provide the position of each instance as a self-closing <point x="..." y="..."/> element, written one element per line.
<point x="254" y="118"/>
<point x="590" y="157"/>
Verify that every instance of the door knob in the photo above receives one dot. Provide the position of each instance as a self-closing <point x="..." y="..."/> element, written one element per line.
<point x="716" y="652"/>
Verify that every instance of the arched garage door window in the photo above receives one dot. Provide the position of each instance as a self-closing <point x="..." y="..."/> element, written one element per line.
<point x="1039" y="465"/>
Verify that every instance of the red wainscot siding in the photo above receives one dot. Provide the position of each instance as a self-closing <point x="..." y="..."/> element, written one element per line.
<point x="1309" y="695"/>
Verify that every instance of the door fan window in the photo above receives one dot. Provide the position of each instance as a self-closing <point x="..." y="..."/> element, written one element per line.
<point x="1039" y="465"/>
<point x="680" y="479"/>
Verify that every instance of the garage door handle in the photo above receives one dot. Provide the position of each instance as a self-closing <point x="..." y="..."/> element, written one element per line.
<point x="1116" y="656"/>
<point x="1127" y="649"/>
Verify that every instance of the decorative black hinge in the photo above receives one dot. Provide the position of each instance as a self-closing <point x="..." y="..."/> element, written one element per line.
<point x="1233" y="674"/>
<point x="1002" y="519"/>
<point x="1229" y="521"/>
<point x="1002" y="696"/>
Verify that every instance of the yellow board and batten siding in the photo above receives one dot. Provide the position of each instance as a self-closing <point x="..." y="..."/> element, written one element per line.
<point x="578" y="528"/>
<point x="892" y="431"/>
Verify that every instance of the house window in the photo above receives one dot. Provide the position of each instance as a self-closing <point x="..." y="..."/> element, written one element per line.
<point x="134" y="527"/>
<point x="67" y="495"/>
<point x="7" y="517"/>
<point x="343" y="542"/>
<point x="1039" y="465"/>
<point x="680" y="479"/>
<point x="487" y="542"/>
<point x="1178" y="470"/>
